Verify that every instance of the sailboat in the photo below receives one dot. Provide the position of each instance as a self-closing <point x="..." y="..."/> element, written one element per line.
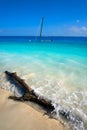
<point x="40" y="36"/>
<point x="41" y="30"/>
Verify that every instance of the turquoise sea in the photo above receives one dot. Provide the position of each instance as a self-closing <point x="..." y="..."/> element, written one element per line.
<point x="56" y="69"/>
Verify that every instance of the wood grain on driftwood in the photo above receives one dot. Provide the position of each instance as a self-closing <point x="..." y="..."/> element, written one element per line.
<point x="29" y="92"/>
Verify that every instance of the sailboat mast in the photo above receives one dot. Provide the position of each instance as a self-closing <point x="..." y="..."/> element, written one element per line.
<point x="41" y="27"/>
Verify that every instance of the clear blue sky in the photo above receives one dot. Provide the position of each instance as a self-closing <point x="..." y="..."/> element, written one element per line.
<point x="61" y="17"/>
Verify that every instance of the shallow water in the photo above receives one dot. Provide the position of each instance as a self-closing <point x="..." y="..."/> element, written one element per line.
<point x="57" y="70"/>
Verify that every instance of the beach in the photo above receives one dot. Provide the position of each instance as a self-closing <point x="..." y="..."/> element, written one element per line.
<point x="20" y="116"/>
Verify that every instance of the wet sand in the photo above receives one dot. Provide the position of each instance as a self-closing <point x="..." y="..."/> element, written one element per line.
<point x="20" y="116"/>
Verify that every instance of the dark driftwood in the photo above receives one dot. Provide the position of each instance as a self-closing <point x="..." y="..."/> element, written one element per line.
<point x="29" y="92"/>
<point x="30" y="95"/>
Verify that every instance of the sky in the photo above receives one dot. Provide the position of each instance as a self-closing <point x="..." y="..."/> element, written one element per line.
<point x="61" y="17"/>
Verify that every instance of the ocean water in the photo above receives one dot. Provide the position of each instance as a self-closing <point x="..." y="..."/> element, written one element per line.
<point x="56" y="69"/>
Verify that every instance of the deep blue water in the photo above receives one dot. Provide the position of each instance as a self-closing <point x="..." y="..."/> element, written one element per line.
<point x="35" y="38"/>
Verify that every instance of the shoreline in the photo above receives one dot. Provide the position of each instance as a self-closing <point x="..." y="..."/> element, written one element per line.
<point x="18" y="116"/>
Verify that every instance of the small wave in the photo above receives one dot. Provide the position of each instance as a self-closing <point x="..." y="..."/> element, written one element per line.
<point x="75" y="121"/>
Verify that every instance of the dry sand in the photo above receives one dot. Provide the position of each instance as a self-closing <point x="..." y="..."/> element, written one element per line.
<point x="20" y="116"/>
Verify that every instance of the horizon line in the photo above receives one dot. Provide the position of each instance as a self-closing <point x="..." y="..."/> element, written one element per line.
<point x="37" y="36"/>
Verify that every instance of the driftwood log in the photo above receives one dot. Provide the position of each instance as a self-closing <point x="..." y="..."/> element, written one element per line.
<point x="29" y="92"/>
<point x="30" y="95"/>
